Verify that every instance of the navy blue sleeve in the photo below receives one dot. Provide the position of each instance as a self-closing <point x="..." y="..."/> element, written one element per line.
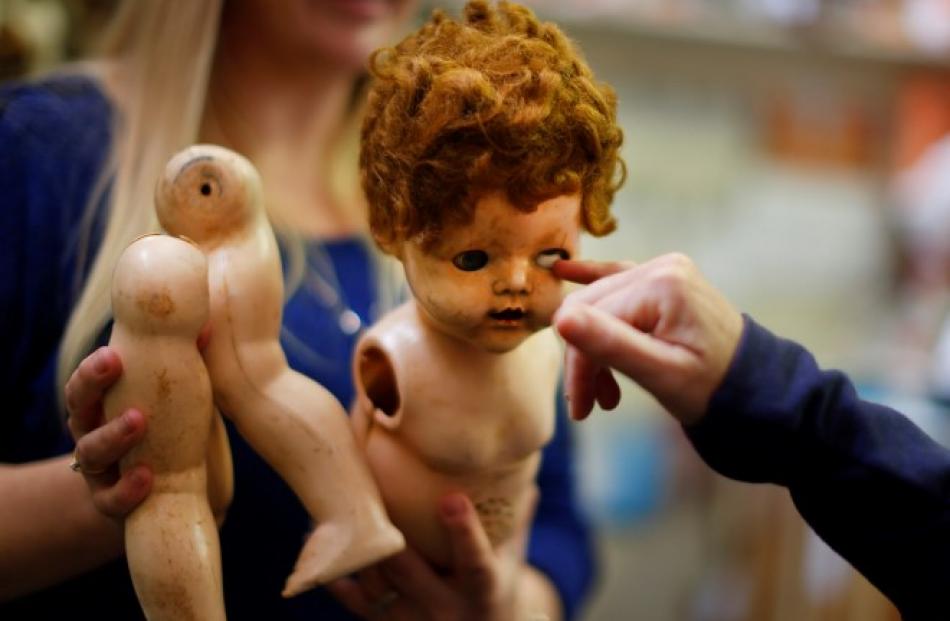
<point x="560" y="544"/>
<point x="874" y="486"/>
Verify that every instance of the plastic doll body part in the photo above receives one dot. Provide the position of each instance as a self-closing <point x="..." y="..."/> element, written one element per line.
<point x="160" y="303"/>
<point x="457" y="385"/>
<point x="214" y="197"/>
<point x="499" y="295"/>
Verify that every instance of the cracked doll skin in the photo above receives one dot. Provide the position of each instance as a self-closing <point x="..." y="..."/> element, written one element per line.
<point x="160" y="304"/>
<point x="213" y="196"/>
<point x="455" y="387"/>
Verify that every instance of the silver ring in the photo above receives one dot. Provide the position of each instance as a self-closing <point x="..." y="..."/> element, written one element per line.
<point x="75" y="466"/>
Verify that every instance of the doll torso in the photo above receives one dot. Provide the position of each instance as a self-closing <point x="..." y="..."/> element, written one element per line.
<point x="437" y="415"/>
<point x="160" y="302"/>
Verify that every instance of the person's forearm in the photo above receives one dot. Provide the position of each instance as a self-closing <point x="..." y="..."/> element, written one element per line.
<point x="777" y="416"/>
<point x="869" y="482"/>
<point x="49" y="528"/>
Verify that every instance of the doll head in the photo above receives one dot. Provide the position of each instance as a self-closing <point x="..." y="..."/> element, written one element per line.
<point x="496" y="113"/>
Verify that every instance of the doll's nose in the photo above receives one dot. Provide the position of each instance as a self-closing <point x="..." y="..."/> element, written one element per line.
<point x="513" y="279"/>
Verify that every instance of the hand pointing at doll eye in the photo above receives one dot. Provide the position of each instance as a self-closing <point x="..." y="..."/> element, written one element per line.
<point x="659" y="323"/>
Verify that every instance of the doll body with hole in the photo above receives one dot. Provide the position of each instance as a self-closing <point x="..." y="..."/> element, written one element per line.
<point x="456" y="388"/>
<point x="213" y="196"/>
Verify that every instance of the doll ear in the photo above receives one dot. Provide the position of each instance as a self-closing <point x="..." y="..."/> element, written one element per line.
<point x="378" y="378"/>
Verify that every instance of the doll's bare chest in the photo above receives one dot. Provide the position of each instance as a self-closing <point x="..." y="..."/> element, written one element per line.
<point x="461" y="412"/>
<point x="458" y="427"/>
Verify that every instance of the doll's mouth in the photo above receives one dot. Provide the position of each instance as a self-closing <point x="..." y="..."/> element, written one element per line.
<point x="508" y="315"/>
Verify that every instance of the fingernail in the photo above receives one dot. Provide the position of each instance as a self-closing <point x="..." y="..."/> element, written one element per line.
<point x="453" y="506"/>
<point x="99" y="362"/>
<point x="130" y="420"/>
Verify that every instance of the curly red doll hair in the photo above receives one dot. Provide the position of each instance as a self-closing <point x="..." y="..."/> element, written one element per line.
<point x="496" y="101"/>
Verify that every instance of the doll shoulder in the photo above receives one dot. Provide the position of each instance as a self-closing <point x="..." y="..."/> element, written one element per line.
<point x="384" y="351"/>
<point x="393" y="332"/>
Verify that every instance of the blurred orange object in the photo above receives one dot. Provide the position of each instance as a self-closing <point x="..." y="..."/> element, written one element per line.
<point x="818" y="128"/>
<point x="923" y="115"/>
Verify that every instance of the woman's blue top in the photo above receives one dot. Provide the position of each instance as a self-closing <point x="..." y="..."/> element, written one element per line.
<point x="54" y="137"/>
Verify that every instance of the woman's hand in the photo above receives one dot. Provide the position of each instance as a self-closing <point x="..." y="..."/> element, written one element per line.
<point x="99" y="444"/>
<point x="483" y="584"/>
<point x="659" y="323"/>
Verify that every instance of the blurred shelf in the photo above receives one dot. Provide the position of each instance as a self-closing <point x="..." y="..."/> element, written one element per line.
<point x="762" y="37"/>
<point x="825" y="38"/>
<point x="753" y="37"/>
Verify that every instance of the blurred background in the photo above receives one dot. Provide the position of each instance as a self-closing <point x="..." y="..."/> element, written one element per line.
<point x="799" y="151"/>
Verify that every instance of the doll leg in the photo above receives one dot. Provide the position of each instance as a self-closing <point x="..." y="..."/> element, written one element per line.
<point x="173" y="551"/>
<point x="220" y="469"/>
<point x="303" y="432"/>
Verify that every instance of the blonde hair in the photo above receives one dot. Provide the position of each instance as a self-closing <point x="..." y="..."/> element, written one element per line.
<point x="158" y="111"/>
<point x="160" y="99"/>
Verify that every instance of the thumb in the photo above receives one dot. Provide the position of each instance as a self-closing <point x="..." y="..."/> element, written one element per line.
<point x="610" y="342"/>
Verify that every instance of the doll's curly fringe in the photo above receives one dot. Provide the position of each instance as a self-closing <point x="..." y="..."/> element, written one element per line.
<point x="497" y="101"/>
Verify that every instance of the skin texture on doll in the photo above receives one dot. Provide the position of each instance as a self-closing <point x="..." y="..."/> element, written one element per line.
<point x="489" y="283"/>
<point x="213" y="196"/>
<point x="160" y="303"/>
<point x="456" y="387"/>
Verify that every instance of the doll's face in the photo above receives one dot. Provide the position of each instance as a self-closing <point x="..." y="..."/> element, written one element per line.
<point x="489" y="282"/>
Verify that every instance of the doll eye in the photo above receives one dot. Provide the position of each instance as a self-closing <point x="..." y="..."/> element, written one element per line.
<point x="471" y="260"/>
<point x="547" y="258"/>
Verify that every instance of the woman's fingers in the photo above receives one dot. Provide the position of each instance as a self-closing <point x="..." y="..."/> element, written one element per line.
<point x="98" y="453"/>
<point x="472" y="552"/>
<point x="118" y="498"/>
<point x="84" y="390"/>
<point x="414" y="580"/>
<point x="410" y="574"/>
<point x="349" y="592"/>
<point x="99" y="449"/>
<point x="387" y="591"/>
